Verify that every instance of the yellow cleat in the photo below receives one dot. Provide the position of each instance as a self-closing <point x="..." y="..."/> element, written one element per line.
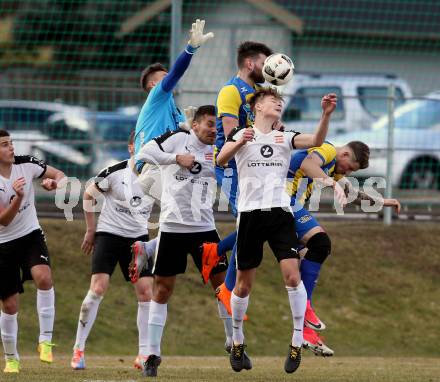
<point x="12" y="366"/>
<point x="45" y="350"/>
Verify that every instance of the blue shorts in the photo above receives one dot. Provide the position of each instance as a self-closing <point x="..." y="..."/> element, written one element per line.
<point x="304" y="222"/>
<point x="227" y="179"/>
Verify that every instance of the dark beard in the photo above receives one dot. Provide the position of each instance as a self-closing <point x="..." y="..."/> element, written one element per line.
<point x="257" y="78"/>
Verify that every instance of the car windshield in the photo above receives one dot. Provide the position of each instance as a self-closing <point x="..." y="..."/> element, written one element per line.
<point x="418" y="114"/>
<point x="115" y="129"/>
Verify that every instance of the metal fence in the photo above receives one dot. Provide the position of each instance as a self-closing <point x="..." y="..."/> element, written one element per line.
<point x="89" y="53"/>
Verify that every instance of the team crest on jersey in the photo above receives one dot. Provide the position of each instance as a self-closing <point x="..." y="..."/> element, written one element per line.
<point x="266" y="151"/>
<point x="196" y="168"/>
<point x="135" y="201"/>
<point x="279" y="138"/>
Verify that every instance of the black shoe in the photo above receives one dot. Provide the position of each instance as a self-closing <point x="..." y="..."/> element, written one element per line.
<point x="239" y="359"/>
<point x="293" y="359"/>
<point x="228" y="348"/>
<point x="151" y="365"/>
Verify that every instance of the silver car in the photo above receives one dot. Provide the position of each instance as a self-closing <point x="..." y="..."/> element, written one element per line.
<point x="416" y="158"/>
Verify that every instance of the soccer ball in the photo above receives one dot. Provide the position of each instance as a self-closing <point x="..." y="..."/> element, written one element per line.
<point x="278" y="69"/>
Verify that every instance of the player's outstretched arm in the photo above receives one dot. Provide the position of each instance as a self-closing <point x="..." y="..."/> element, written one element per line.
<point x="7" y="214"/>
<point x="361" y="196"/>
<point x="197" y="39"/>
<point x="305" y="141"/>
<point x="232" y="146"/>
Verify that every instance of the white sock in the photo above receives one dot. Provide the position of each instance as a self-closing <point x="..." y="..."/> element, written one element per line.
<point x="150" y="247"/>
<point x="156" y="323"/>
<point x="46" y="313"/>
<point x="227" y="321"/>
<point x="298" y="301"/>
<point x="238" y="306"/>
<point x="142" y="324"/>
<point x="9" y="330"/>
<point x="87" y="316"/>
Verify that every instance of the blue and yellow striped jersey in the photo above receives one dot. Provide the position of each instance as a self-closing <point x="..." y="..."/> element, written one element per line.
<point x="300" y="186"/>
<point x="232" y="101"/>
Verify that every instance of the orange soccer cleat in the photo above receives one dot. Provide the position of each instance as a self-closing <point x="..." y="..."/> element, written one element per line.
<point x="223" y="294"/>
<point x="209" y="259"/>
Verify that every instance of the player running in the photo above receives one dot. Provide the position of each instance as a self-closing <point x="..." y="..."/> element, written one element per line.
<point x="122" y="221"/>
<point x="23" y="248"/>
<point x="186" y="218"/>
<point x="263" y="156"/>
<point x="328" y="165"/>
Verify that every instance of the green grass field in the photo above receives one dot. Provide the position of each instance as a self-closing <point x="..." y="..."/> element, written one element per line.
<point x="378" y="294"/>
<point x="313" y="369"/>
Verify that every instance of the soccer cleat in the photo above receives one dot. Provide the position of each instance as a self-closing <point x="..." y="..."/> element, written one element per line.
<point x="311" y="320"/>
<point x="139" y="260"/>
<point x="313" y="342"/>
<point x="223" y="294"/>
<point x="45" y="350"/>
<point x="239" y="359"/>
<point x="293" y="359"/>
<point x="151" y="365"/>
<point x="78" y="362"/>
<point x="139" y="362"/>
<point x="210" y="259"/>
<point x="12" y="365"/>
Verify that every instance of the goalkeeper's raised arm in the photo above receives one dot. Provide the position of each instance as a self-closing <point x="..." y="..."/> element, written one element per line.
<point x="170" y="80"/>
<point x="159" y="113"/>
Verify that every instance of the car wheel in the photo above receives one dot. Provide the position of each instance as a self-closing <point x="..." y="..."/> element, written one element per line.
<point x="422" y="174"/>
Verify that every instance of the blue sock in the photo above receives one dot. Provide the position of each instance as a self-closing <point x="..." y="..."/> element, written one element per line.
<point x="227" y="243"/>
<point x="309" y="275"/>
<point x="231" y="273"/>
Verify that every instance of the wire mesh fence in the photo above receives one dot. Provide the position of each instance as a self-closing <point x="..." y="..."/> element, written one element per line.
<point x="70" y="94"/>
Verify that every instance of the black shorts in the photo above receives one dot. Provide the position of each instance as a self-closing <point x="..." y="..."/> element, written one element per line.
<point x="173" y="250"/>
<point x="112" y="249"/>
<point x="276" y="226"/>
<point x="17" y="257"/>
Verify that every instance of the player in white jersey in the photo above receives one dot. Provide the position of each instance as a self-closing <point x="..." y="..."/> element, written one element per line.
<point x="23" y="248"/>
<point x="186" y="219"/>
<point x="123" y="220"/>
<point x="263" y="155"/>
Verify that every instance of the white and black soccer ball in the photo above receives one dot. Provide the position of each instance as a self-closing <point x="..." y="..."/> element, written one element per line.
<point x="278" y="69"/>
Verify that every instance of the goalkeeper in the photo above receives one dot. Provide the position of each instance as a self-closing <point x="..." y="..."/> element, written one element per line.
<point x="159" y="113"/>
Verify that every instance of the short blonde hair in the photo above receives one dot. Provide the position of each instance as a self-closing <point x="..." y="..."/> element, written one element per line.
<point x="261" y="93"/>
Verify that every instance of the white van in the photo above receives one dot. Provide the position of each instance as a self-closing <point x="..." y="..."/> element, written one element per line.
<point x="361" y="100"/>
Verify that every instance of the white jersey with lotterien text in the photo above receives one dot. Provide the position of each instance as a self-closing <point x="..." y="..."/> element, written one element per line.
<point x="262" y="165"/>
<point x="126" y="209"/>
<point x="25" y="221"/>
<point x="187" y="195"/>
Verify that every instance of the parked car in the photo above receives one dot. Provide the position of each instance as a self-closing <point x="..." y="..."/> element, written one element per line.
<point x="360" y="100"/>
<point x="111" y="130"/>
<point x="34" y="127"/>
<point x="416" y="159"/>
